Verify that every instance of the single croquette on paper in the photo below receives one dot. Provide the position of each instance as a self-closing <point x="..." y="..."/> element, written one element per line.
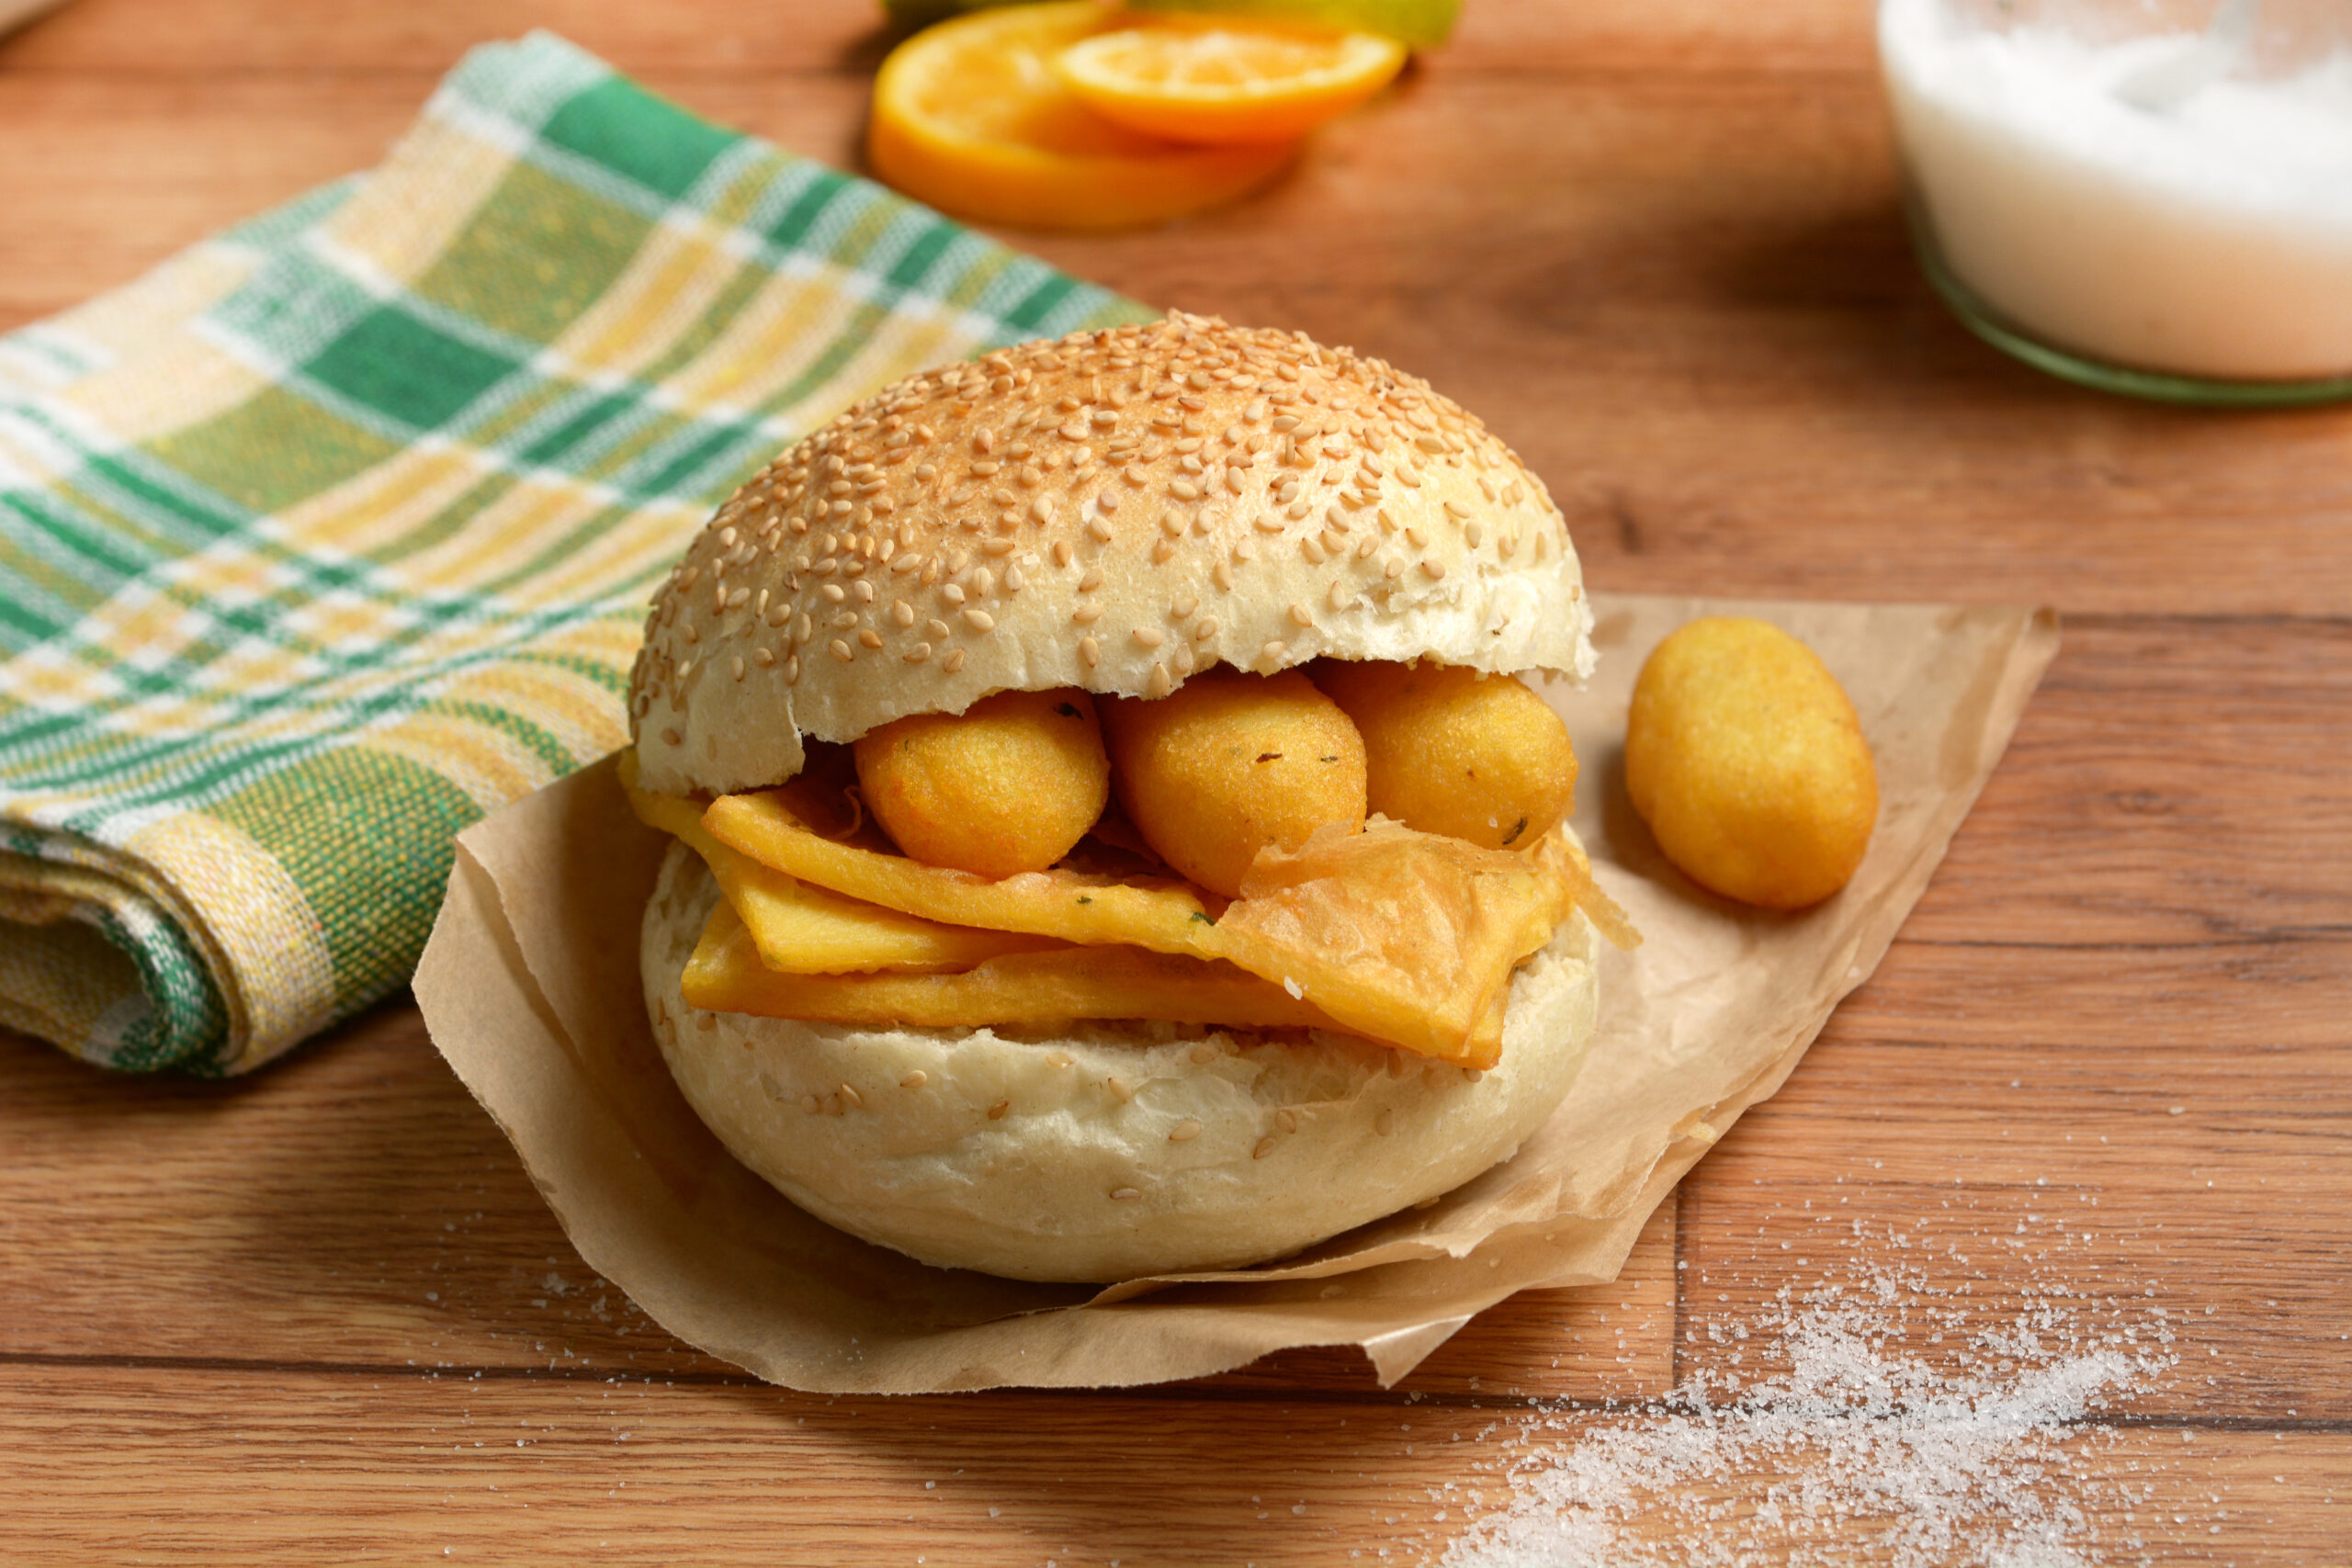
<point x="1747" y="760"/>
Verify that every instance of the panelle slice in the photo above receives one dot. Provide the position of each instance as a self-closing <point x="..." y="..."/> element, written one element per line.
<point x="769" y="827"/>
<point x="1410" y="936"/>
<point x="1399" y="936"/>
<point x="802" y="929"/>
<point x="1054" y="986"/>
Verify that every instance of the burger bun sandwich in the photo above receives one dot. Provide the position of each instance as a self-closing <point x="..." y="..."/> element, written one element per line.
<point x="1112" y="835"/>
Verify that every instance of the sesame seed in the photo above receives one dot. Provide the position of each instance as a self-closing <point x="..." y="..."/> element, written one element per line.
<point x="1041" y="509"/>
<point x="1184" y="490"/>
<point x="1264" y="1147"/>
<point x="835" y="592"/>
<point x="1159" y="685"/>
<point x="673" y="737"/>
<point x="1341" y="598"/>
<point x="934" y="629"/>
<point x="954" y="661"/>
<point x="1286" y="1119"/>
<point x="1092" y="580"/>
<point x="1222" y="574"/>
<point x="1365" y="547"/>
<point x="851" y="1099"/>
<point x="983" y="583"/>
<point x="1274" y="649"/>
<point x="870" y="638"/>
<point x="1013" y="581"/>
<point x="792" y="669"/>
<point x="1062" y="552"/>
<point x="1125" y="1194"/>
<point x="686" y="667"/>
<point x="1416" y="536"/>
<point x="1147" y="636"/>
<point x="979" y="620"/>
<point x="1099" y="530"/>
<point x="1087" y="614"/>
<point x="865" y="593"/>
<point x="953" y="594"/>
<point x="1391" y="569"/>
<point x="996" y="1111"/>
<point x="738" y="667"/>
<point x="763" y="657"/>
<point x="996" y="547"/>
<point x="1432" y="570"/>
<point x="840" y="650"/>
<point x="902" y="612"/>
<point x="1312" y="549"/>
<point x="906" y="563"/>
<point x="1120" y="1090"/>
<point x="1091" y="651"/>
<point x="1204" y="628"/>
<point x="1163" y="552"/>
<point x="1300" y="615"/>
<point x="915" y="1080"/>
<point x="918" y="653"/>
<point x="1184" y="1132"/>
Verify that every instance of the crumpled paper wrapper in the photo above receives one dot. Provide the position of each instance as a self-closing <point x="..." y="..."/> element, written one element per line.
<point x="530" y="988"/>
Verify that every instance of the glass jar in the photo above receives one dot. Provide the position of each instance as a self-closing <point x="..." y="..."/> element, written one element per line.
<point x="2152" y="197"/>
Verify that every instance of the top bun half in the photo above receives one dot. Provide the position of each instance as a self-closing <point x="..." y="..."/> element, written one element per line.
<point x="1114" y="511"/>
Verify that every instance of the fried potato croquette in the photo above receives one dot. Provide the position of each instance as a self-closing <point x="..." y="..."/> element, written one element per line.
<point x="1451" y="750"/>
<point x="1228" y="763"/>
<point x="1008" y="785"/>
<point x="1745" y="757"/>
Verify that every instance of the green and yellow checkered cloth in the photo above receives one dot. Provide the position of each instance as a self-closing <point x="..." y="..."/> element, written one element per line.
<point x="335" y="533"/>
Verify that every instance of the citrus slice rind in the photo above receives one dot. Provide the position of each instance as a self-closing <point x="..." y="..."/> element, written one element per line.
<point x="970" y="117"/>
<point x="1225" y="82"/>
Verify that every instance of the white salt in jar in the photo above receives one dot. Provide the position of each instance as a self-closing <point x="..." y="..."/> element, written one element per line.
<point x="2150" y="196"/>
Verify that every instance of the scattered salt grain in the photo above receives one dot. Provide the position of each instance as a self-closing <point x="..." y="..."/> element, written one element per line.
<point x="1855" y="1442"/>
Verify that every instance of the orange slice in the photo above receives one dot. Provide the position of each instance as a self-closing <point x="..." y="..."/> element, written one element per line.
<point x="970" y="117"/>
<point x="1226" y="82"/>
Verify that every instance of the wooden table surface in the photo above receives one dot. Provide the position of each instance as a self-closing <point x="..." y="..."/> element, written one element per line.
<point x="322" y="1313"/>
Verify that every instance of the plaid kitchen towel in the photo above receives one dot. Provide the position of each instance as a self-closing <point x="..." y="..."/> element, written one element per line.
<point x="333" y="533"/>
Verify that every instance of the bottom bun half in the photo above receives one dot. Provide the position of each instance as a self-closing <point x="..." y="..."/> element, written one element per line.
<point x="1104" y="1151"/>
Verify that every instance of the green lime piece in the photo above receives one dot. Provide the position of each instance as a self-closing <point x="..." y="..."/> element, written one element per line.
<point x="1417" y="24"/>
<point x="922" y="13"/>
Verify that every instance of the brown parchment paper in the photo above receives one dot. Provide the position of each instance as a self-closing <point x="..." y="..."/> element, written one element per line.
<point x="530" y="988"/>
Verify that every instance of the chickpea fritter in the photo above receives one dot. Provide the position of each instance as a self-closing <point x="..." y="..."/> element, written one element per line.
<point x="1746" y="757"/>
<point x="1229" y="764"/>
<point x="1452" y="751"/>
<point x="1009" y="785"/>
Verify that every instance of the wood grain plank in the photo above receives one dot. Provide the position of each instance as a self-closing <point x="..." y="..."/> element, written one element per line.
<point x="1692" y="308"/>
<point x="2174" y="781"/>
<point x="353" y="1207"/>
<point x="2196" y="1191"/>
<point x="250" y="36"/>
<point x="261" y="1467"/>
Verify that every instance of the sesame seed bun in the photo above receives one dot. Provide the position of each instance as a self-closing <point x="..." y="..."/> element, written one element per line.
<point x="1114" y="510"/>
<point x="1112" y="1151"/>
